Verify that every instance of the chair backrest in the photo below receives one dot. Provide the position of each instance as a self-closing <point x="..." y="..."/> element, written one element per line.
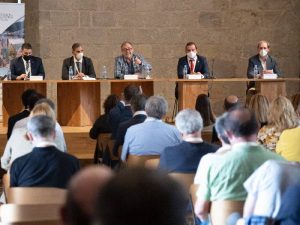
<point x="102" y="140"/>
<point x="186" y="179"/>
<point x="36" y="195"/>
<point x="139" y="160"/>
<point x="29" y="213"/>
<point x="193" y="191"/>
<point x="152" y="163"/>
<point x="220" y="210"/>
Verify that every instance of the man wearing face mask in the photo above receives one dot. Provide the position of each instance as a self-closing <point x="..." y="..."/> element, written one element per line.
<point x="265" y="63"/>
<point x="81" y="66"/>
<point x="129" y="62"/>
<point x="26" y="65"/>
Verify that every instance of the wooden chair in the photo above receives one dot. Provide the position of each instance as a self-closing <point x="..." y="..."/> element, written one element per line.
<point x="220" y="210"/>
<point x="139" y="160"/>
<point x="11" y="213"/>
<point x="110" y="145"/>
<point x="102" y="142"/>
<point x="186" y="179"/>
<point x="152" y="163"/>
<point x="36" y="195"/>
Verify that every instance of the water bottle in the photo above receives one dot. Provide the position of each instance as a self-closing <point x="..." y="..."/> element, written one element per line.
<point x="255" y="71"/>
<point x="70" y="73"/>
<point x="8" y="74"/>
<point x="146" y="72"/>
<point x="184" y="72"/>
<point x="103" y="72"/>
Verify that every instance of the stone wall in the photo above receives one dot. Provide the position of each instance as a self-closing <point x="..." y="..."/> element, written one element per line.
<point x="226" y="32"/>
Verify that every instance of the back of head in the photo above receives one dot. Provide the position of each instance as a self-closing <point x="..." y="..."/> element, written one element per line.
<point x="259" y="105"/>
<point x="110" y="102"/>
<point x="204" y="108"/>
<point x="282" y="114"/>
<point x="249" y="95"/>
<point x="138" y="103"/>
<point x="41" y="126"/>
<point x="141" y="197"/>
<point x="220" y="128"/>
<point x="296" y="103"/>
<point x="43" y="109"/>
<point x="47" y="101"/>
<point x="26" y="96"/>
<point x="156" y="107"/>
<point x="130" y="91"/>
<point x="189" y="121"/>
<point x="230" y="102"/>
<point x="241" y="122"/>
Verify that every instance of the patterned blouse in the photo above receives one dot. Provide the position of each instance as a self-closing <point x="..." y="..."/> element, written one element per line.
<point x="268" y="137"/>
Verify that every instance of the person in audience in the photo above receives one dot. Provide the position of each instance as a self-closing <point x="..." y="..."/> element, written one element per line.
<point x="26" y="65"/>
<point x="19" y="144"/>
<point x="249" y="93"/>
<point x="227" y="174"/>
<point x="122" y="111"/>
<point x="185" y="156"/>
<point x="296" y="103"/>
<point x="45" y="165"/>
<point x="129" y="62"/>
<point x="259" y="105"/>
<point x="152" y="198"/>
<point x="265" y="63"/>
<point x="139" y="115"/>
<point x="82" y="194"/>
<point x="81" y="65"/>
<point x="29" y="98"/>
<point x="152" y="136"/>
<point x="281" y="116"/>
<point x="102" y="124"/>
<point x="203" y="106"/>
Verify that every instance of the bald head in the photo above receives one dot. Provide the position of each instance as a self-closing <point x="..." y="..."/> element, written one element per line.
<point x="82" y="192"/>
<point x="230" y="102"/>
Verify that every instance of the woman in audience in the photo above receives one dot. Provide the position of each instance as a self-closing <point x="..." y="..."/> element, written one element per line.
<point x="259" y="105"/>
<point x="18" y="143"/>
<point x="203" y="106"/>
<point x="296" y="103"/>
<point x="281" y="116"/>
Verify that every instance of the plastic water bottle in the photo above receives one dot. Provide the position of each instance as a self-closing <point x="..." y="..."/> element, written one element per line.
<point x="255" y="71"/>
<point x="146" y="72"/>
<point x="184" y="72"/>
<point x="8" y="74"/>
<point x="70" y="73"/>
<point x="103" y="72"/>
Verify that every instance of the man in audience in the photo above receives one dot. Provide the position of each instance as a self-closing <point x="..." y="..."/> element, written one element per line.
<point x="141" y="196"/>
<point x="129" y="62"/>
<point x="185" y="156"/>
<point x="29" y="98"/>
<point x="139" y="115"/>
<point x="228" y="173"/>
<point x="122" y="111"/>
<point x="26" y="65"/>
<point x="152" y="136"/>
<point x="82" y="194"/>
<point x="45" y="166"/>
<point x="81" y="65"/>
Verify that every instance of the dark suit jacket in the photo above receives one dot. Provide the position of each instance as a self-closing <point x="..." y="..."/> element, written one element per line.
<point x="15" y="118"/>
<point x="185" y="157"/>
<point x="123" y="128"/>
<point x="87" y="67"/>
<point x="201" y="66"/>
<point x="17" y="67"/>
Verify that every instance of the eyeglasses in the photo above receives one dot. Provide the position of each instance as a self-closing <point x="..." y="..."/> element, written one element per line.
<point x="127" y="49"/>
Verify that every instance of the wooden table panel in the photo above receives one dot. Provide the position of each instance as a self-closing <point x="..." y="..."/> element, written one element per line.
<point x="271" y="89"/>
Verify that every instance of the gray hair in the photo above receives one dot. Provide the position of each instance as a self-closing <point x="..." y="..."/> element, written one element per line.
<point x="156" y="106"/>
<point x="41" y="126"/>
<point x="189" y="121"/>
<point x="220" y="129"/>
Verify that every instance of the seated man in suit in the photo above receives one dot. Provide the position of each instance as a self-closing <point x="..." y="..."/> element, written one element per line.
<point x="129" y="62"/>
<point x="139" y="115"/>
<point x="185" y="157"/>
<point x="26" y="65"/>
<point x="81" y="65"/>
<point x="45" y="165"/>
<point x="152" y="136"/>
<point x="264" y="62"/>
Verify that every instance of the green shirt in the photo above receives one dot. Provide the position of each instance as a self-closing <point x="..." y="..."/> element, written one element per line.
<point x="227" y="174"/>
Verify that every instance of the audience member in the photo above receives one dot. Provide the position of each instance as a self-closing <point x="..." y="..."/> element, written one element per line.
<point x="281" y="116"/>
<point x="185" y="156"/>
<point x="129" y="62"/>
<point x="141" y="197"/>
<point x="139" y="139"/>
<point x="45" y="165"/>
<point x="83" y="189"/>
<point x="102" y="124"/>
<point x="228" y="173"/>
<point x="249" y="93"/>
<point x="139" y="115"/>
<point x="259" y="105"/>
<point x="203" y="106"/>
<point x="122" y="111"/>
<point x="19" y="144"/>
<point x="296" y="103"/>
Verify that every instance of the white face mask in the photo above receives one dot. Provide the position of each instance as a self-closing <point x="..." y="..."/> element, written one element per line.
<point x="263" y="52"/>
<point x="79" y="56"/>
<point x="191" y="54"/>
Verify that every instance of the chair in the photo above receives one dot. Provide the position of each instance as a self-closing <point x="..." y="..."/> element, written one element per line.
<point x="185" y="179"/>
<point x="220" y="210"/>
<point x="152" y="163"/>
<point x="11" y="213"/>
<point x="6" y="184"/>
<point x="139" y="160"/>
<point x="102" y="142"/>
<point x="193" y="191"/>
<point x="36" y="195"/>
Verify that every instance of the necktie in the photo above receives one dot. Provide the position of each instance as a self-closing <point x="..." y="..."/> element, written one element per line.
<point x="192" y="66"/>
<point x="27" y="68"/>
<point x="78" y="67"/>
